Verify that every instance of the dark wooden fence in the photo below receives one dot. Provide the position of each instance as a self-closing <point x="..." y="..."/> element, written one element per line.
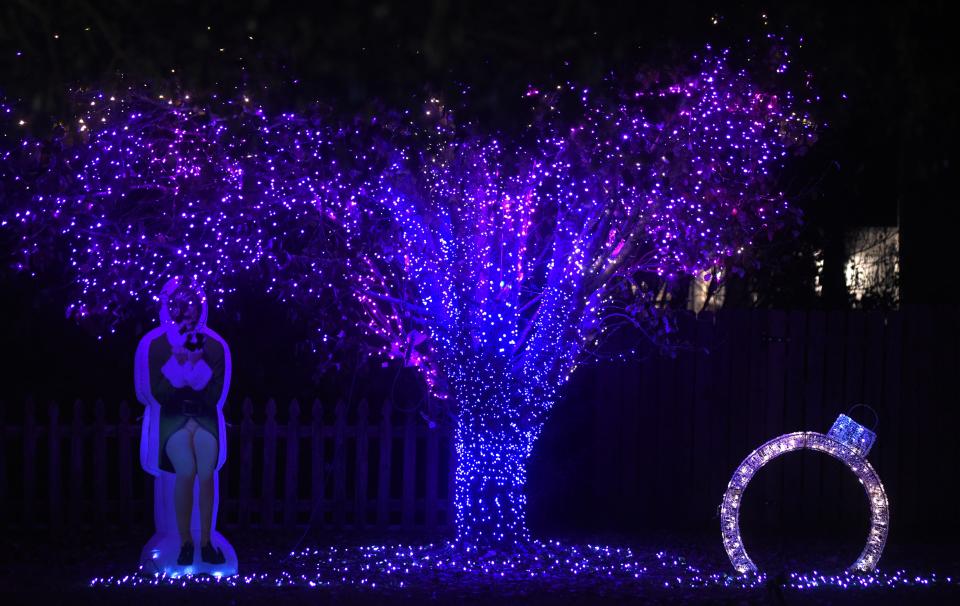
<point x="666" y="435"/>
<point x="669" y="432"/>
<point x="327" y="468"/>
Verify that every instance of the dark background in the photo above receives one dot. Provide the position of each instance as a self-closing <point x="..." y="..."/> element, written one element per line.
<point x="885" y="157"/>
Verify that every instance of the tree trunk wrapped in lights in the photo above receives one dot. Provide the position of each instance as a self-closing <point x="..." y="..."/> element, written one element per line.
<point x="494" y="267"/>
<point x="490" y="500"/>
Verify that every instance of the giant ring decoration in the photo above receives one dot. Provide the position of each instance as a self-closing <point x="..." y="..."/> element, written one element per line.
<point x="847" y="441"/>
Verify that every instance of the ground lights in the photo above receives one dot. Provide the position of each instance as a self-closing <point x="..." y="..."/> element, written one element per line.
<point x="545" y="565"/>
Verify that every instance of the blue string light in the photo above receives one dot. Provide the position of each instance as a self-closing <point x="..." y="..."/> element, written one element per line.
<point x="549" y="564"/>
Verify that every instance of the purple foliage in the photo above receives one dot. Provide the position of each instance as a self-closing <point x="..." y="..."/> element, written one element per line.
<point x="494" y="266"/>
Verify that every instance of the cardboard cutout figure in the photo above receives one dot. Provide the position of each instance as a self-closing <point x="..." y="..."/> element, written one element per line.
<point x="182" y="375"/>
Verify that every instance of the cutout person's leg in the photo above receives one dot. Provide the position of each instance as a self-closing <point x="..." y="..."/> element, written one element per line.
<point x="205" y="447"/>
<point x="179" y="450"/>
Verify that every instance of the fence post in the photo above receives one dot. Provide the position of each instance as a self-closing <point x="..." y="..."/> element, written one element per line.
<point x="29" y="462"/>
<point x="99" y="462"/>
<point x="75" y="515"/>
<point x="4" y="514"/>
<point x="360" y="492"/>
<point x="409" y="471"/>
<point x="290" y="474"/>
<point x="383" y="475"/>
<point x="430" y="517"/>
<point x="269" y="496"/>
<point x="705" y="492"/>
<point x="246" y="463"/>
<point x="316" y="462"/>
<point x="339" y="465"/>
<point x="53" y="467"/>
<point x="892" y="402"/>
<point x="777" y="343"/>
<point x="793" y="405"/>
<point x="126" y="468"/>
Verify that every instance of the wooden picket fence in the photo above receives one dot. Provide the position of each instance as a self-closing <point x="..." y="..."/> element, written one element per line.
<point x="345" y="470"/>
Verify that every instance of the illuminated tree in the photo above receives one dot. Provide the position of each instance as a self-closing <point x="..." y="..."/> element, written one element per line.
<point x="495" y="267"/>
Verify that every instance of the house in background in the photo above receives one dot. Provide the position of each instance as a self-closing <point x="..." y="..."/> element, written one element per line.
<point x="870" y="265"/>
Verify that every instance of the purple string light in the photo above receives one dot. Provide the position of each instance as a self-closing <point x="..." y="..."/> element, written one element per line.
<point x="495" y="268"/>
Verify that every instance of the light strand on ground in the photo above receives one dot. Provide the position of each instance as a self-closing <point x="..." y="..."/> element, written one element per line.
<point x="545" y="565"/>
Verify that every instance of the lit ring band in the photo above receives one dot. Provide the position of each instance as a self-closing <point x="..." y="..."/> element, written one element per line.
<point x="811" y="440"/>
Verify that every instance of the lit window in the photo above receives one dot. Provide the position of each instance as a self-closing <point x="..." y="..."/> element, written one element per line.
<point x="872" y="266"/>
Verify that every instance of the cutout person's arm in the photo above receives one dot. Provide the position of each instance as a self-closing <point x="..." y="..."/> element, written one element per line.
<point x="161" y="387"/>
<point x="215" y="358"/>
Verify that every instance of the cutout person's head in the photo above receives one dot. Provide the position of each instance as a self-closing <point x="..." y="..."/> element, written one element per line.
<point x="185" y="306"/>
